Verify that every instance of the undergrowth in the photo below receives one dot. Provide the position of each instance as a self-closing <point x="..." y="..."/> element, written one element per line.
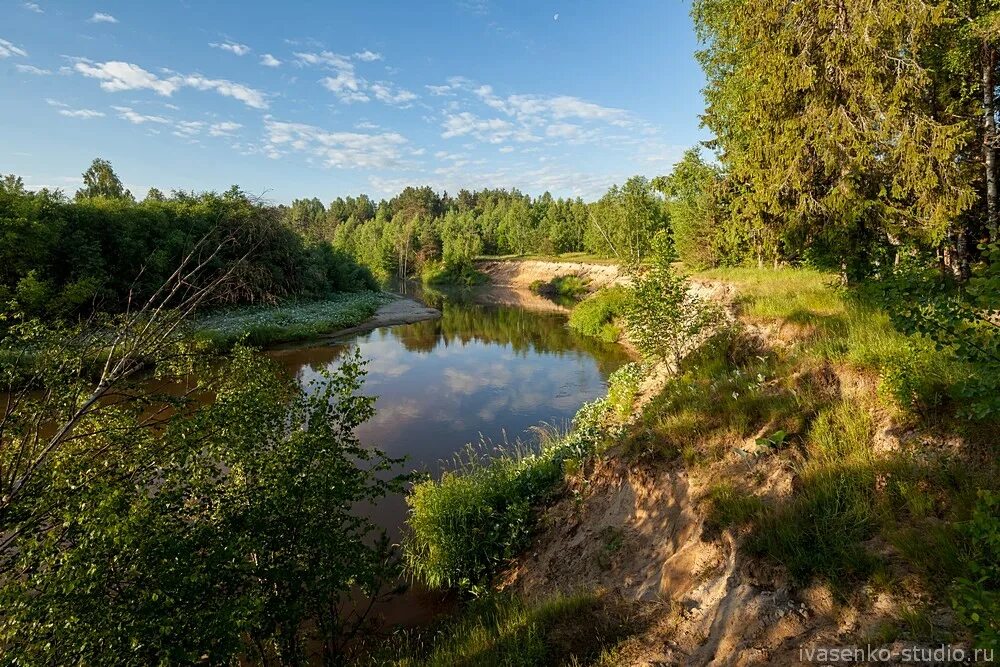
<point x="265" y="325"/>
<point x="598" y="314"/>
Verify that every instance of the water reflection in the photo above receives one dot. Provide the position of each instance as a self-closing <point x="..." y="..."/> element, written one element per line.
<point x="481" y="371"/>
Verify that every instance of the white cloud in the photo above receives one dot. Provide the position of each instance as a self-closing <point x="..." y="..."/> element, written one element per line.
<point x="440" y="91"/>
<point x="335" y="149"/>
<point x="249" y="96"/>
<point x="490" y="130"/>
<point x="117" y="76"/>
<point x="506" y="149"/>
<point x="232" y="47"/>
<point x="7" y="49"/>
<point x="33" y="7"/>
<point x="127" y="113"/>
<point x="368" y="56"/>
<point x="385" y="93"/>
<point x="223" y="129"/>
<point x="31" y="69"/>
<point x="101" y="17"/>
<point x="267" y="60"/>
<point x="324" y="59"/>
<point x="81" y="113"/>
<point x="65" y="110"/>
<point x="189" y="127"/>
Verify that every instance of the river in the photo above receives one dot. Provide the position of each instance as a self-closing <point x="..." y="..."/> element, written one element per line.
<point x="496" y="364"/>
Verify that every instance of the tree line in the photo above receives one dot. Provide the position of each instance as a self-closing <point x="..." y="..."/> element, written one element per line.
<point x="847" y="133"/>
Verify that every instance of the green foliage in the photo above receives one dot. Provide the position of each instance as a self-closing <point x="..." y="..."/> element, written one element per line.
<point x="100" y="180"/>
<point x="467" y="525"/>
<point x="456" y="273"/>
<point x="830" y="143"/>
<point x="959" y="323"/>
<point x="698" y="211"/>
<point x="598" y="314"/>
<point x="976" y="596"/>
<point x="103" y="252"/>
<point x="218" y="529"/>
<point x="623" y="387"/>
<point x="265" y="325"/>
<point x="565" y="287"/>
<point x="663" y="317"/>
<point x="625" y="221"/>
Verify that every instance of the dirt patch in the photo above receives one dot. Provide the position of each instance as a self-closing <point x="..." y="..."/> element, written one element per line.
<point x="521" y="273"/>
<point x="400" y="310"/>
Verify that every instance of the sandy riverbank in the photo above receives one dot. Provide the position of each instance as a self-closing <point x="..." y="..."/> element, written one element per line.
<point x="401" y="310"/>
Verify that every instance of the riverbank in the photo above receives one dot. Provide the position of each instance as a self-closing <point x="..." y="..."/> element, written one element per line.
<point x="778" y="491"/>
<point x="522" y="273"/>
<point x="401" y="310"/>
<point x="340" y="315"/>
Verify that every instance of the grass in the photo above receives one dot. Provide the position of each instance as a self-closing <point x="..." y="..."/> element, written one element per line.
<point x="832" y="323"/>
<point x="598" y="314"/>
<point x="466" y="526"/>
<point x="265" y="325"/>
<point x="833" y="373"/>
<point x="440" y="273"/>
<point x="566" y="287"/>
<point x="504" y="631"/>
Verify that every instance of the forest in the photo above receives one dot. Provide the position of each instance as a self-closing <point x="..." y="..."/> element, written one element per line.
<point x="848" y="195"/>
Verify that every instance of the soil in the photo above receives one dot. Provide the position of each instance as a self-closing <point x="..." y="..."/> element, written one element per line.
<point x="634" y="529"/>
<point x="401" y="310"/>
<point x="521" y="273"/>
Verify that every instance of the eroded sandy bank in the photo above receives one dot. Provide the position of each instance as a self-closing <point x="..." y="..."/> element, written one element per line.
<point x="521" y="273"/>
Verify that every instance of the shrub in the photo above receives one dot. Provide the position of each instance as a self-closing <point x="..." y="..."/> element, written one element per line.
<point x="567" y="287"/>
<point x="663" y="317"/>
<point x="466" y="525"/>
<point x="976" y="597"/>
<point x="597" y="315"/>
<point x="452" y="273"/>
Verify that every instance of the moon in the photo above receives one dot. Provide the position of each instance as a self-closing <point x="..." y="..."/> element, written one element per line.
<point x="556" y="17"/>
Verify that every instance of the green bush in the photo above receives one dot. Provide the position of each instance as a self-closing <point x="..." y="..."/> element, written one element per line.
<point x="597" y="315"/>
<point x="976" y="597"/>
<point x="568" y="287"/>
<point x="452" y="273"/>
<point x="467" y="525"/>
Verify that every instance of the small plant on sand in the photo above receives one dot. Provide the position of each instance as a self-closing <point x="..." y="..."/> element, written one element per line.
<point x="663" y="316"/>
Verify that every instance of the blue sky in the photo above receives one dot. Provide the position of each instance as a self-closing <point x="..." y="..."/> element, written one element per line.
<point x="301" y="99"/>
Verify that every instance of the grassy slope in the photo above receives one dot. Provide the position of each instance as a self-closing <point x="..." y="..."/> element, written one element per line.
<point x="264" y="325"/>
<point x="810" y="383"/>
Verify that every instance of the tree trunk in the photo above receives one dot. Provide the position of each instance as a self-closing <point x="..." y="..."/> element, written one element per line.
<point x="990" y="138"/>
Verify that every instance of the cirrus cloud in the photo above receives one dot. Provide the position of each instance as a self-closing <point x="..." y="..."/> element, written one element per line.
<point x="116" y="76"/>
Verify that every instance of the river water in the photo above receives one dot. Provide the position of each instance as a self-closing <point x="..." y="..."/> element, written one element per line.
<point x="495" y="365"/>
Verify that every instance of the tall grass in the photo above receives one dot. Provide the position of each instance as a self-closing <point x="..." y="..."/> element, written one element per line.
<point x="504" y="631"/>
<point x="598" y="315"/>
<point x="466" y="526"/>
<point x="846" y="326"/>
